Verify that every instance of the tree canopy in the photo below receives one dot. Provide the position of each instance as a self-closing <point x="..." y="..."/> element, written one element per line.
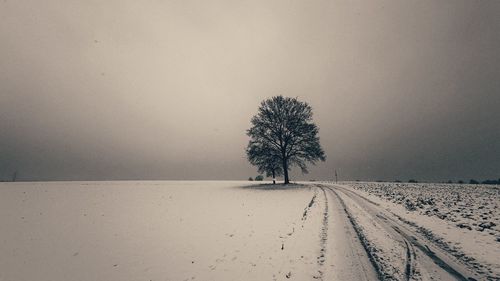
<point x="265" y="159"/>
<point x="283" y="135"/>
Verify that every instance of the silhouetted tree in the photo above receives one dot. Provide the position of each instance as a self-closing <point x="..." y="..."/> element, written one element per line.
<point x="473" y="181"/>
<point x="265" y="158"/>
<point x="283" y="127"/>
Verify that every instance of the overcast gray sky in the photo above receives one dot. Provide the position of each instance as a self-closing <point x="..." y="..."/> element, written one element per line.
<point x="93" y="90"/>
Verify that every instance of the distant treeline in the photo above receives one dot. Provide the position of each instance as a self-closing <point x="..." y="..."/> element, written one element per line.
<point x="471" y="181"/>
<point x="13" y="178"/>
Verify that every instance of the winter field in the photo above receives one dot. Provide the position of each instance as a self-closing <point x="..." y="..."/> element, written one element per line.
<point x="461" y="219"/>
<point x="222" y="230"/>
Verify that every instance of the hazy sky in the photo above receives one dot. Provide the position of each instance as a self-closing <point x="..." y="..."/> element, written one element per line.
<point x="166" y="89"/>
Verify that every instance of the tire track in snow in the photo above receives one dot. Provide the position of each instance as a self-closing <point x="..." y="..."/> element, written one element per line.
<point x="410" y="260"/>
<point x="359" y="232"/>
<point x="408" y="238"/>
<point x="323" y="239"/>
<point x="308" y="207"/>
<point x="409" y="267"/>
<point x="432" y="256"/>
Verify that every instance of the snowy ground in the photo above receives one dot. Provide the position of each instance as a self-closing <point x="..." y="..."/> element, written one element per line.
<point x="220" y="230"/>
<point x="154" y="231"/>
<point x="460" y="220"/>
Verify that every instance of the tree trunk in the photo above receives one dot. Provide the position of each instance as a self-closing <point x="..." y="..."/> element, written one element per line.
<point x="274" y="178"/>
<point x="285" y="170"/>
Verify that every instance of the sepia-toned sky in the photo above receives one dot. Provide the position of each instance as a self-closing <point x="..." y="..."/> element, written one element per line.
<point x="94" y="90"/>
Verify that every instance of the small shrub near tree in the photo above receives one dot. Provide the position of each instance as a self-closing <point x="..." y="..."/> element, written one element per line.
<point x="259" y="178"/>
<point x="250" y="179"/>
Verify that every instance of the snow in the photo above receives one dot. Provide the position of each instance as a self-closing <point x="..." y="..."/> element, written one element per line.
<point x="452" y="216"/>
<point x="237" y="230"/>
<point x="154" y="231"/>
<point x="390" y="256"/>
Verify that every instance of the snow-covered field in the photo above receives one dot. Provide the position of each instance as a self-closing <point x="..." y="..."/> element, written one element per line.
<point x="474" y="207"/>
<point x="153" y="231"/>
<point x="222" y="230"/>
<point x="459" y="218"/>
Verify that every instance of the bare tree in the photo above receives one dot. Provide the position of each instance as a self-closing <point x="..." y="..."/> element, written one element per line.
<point x="265" y="158"/>
<point x="283" y="131"/>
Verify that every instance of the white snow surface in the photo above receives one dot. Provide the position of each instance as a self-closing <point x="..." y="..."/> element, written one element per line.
<point x="237" y="230"/>
<point x="155" y="230"/>
<point x="461" y="218"/>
